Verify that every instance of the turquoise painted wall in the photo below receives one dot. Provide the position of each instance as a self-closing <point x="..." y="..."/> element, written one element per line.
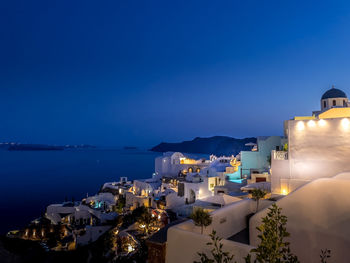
<point x="259" y="159"/>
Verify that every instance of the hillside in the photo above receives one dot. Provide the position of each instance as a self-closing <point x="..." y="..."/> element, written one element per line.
<point x="218" y="145"/>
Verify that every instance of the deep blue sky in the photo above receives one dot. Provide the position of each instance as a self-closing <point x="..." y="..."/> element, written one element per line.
<point x="141" y="72"/>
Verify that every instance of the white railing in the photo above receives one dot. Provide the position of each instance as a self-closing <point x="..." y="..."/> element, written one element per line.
<point x="280" y="155"/>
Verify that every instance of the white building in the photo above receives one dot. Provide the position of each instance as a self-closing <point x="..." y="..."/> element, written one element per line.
<point x="145" y="187"/>
<point x="318" y="216"/>
<point x="227" y="222"/>
<point x="117" y="188"/>
<point x="313" y="174"/>
<point x="318" y="145"/>
<point x="96" y="211"/>
<point x="201" y="185"/>
<point x="171" y="164"/>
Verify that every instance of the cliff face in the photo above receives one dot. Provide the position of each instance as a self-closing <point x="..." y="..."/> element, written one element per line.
<point x="218" y="145"/>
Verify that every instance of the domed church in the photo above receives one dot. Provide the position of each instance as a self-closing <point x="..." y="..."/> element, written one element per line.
<point x="334" y="98"/>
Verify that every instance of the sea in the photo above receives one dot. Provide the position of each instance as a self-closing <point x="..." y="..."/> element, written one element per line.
<point x="31" y="180"/>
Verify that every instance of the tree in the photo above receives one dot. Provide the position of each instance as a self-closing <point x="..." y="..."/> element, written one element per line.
<point x="120" y="204"/>
<point x="137" y="212"/>
<point x="219" y="256"/>
<point x="201" y="218"/>
<point x="130" y="218"/>
<point x="146" y="220"/>
<point x="258" y="194"/>
<point x="273" y="248"/>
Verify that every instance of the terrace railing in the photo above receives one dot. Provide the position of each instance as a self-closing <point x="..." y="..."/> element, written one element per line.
<point x="280" y="155"/>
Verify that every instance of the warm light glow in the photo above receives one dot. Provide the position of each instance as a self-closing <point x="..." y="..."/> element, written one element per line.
<point x="235" y="164"/>
<point x="284" y="191"/>
<point x="322" y="123"/>
<point x="345" y="123"/>
<point x="187" y="161"/>
<point x="300" y="126"/>
<point x="130" y="248"/>
<point x="311" y="123"/>
<point x="159" y="217"/>
<point x="199" y="192"/>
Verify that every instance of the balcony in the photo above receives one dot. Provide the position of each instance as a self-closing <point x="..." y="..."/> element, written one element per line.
<point x="280" y="155"/>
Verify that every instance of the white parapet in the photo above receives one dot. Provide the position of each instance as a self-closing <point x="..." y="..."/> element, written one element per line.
<point x="318" y="218"/>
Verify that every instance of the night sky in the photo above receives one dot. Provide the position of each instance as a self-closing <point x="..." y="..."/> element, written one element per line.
<point x="141" y="72"/>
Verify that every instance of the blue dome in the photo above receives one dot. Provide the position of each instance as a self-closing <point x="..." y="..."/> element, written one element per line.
<point x="333" y="93"/>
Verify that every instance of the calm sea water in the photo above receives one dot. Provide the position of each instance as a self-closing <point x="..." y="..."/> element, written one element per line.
<point x="31" y="180"/>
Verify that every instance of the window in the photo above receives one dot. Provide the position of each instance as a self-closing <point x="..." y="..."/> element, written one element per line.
<point x="324" y="104"/>
<point x="334" y="103"/>
<point x="260" y="179"/>
<point x="344" y="103"/>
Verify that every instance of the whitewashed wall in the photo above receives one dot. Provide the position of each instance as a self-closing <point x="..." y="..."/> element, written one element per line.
<point x="230" y="219"/>
<point x="279" y="170"/>
<point x="173" y="200"/>
<point x="183" y="245"/>
<point x="318" y="218"/>
<point x="317" y="149"/>
<point x="184" y="240"/>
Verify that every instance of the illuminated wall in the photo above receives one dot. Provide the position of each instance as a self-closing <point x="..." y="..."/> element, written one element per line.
<point x="187" y="161"/>
<point x="317" y="148"/>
